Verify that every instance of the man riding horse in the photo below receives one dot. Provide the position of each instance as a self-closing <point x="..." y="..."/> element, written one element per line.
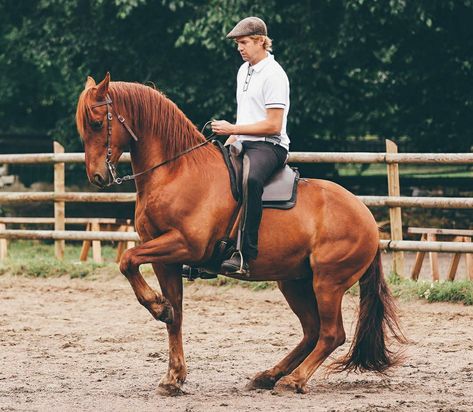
<point x="263" y="104"/>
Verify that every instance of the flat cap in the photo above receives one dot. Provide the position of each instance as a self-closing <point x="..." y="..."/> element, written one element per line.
<point x="249" y="26"/>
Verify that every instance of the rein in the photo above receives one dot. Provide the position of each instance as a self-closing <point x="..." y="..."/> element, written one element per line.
<point x="108" y="159"/>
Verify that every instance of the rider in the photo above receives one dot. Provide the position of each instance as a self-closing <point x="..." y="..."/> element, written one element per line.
<point x="263" y="103"/>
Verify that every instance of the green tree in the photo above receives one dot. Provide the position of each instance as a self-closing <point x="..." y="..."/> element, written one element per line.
<point x="394" y="69"/>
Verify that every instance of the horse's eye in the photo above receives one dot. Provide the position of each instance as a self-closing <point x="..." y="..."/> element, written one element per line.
<point x="96" y="125"/>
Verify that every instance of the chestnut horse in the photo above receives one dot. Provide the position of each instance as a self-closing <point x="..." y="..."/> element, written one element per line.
<point x="315" y="251"/>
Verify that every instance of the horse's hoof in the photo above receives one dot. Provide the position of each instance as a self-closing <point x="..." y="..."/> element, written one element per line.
<point x="168" y="389"/>
<point x="288" y="384"/>
<point x="262" y="380"/>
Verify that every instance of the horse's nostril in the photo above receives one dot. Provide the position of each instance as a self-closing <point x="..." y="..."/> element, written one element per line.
<point x="98" y="180"/>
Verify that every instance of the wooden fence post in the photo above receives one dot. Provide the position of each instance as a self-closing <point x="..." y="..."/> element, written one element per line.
<point x="468" y="260"/>
<point x="96" y="245"/>
<point x="59" y="207"/>
<point x="3" y="244"/>
<point x="394" y="189"/>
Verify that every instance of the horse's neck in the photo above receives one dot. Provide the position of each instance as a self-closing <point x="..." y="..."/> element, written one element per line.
<point x="148" y="153"/>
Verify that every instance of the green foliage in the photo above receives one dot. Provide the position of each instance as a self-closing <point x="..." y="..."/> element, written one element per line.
<point x="393" y="69"/>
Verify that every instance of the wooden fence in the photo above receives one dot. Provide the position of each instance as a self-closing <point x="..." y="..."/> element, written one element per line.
<point x="394" y="201"/>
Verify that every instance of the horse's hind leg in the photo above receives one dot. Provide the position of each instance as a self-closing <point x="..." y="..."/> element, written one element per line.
<point x="329" y="287"/>
<point x="300" y="297"/>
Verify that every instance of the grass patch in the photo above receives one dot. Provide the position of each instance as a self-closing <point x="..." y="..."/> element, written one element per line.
<point x="230" y="282"/>
<point x="459" y="291"/>
<point x="406" y="170"/>
<point x="443" y="291"/>
<point x="36" y="259"/>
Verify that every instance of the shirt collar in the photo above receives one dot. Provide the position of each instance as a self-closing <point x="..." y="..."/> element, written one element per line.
<point x="263" y="63"/>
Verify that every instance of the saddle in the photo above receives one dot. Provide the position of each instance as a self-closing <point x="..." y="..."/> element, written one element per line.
<point x="280" y="192"/>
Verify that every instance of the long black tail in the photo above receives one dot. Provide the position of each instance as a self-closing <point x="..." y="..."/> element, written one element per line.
<point x="377" y="317"/>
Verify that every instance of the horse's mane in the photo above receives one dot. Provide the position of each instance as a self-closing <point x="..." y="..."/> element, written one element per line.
<point x="150" y="113"/>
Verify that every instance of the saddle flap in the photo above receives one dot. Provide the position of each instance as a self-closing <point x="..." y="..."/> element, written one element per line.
<point x="280" y="186"/>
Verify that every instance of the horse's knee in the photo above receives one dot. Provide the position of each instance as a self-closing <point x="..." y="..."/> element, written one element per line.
<point x="128" y="263"/>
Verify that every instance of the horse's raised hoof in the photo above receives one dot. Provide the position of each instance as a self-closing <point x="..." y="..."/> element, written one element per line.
<point x="262" y="380"/>
<point x="160" y="308"/>
<point x="167" y="314"/>
<point x="169" y="389"/>
<point x="288" y="384"/>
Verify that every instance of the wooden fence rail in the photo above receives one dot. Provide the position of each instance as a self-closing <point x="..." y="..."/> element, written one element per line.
<point x="68" y="235"/>
<point x="394" y="201"/>
<point x="294" y="157"/>
<point x="388" y="245"/>
<point x="372" y="201"/>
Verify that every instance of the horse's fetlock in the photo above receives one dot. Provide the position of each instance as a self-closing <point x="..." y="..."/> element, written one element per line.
<point x="310" y="340"/>
<point x="342" y="339"/>
<point x="333" y="340"/>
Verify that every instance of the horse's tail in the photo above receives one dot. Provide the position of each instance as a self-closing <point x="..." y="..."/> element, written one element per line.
<point x="377" y="317"/>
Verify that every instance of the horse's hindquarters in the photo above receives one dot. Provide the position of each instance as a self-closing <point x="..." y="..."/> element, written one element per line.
<point x="328" y="226"/>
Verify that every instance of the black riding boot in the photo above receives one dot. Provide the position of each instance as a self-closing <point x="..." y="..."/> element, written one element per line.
<point x="263" y="160"/>
<point x="236" y="264"/>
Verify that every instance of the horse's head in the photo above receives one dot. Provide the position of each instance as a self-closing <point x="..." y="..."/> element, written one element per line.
<point x="99" y="126"/>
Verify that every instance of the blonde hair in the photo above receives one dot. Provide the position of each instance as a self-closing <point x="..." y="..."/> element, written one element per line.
<point x="267" y="42"/>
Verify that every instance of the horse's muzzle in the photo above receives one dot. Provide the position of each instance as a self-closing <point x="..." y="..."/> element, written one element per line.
<point x="99" y="181"/>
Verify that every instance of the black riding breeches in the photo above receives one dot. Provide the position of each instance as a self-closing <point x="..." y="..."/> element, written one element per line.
<point x="264" y="159"/>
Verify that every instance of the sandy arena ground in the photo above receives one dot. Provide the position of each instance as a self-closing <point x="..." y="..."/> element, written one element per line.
<point x="83" y="345"/>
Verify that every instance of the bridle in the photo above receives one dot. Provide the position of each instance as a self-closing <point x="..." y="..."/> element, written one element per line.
<point x="108" y="157"/>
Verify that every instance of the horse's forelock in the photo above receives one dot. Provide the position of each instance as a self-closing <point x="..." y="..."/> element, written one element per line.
<point x="82" y="112"/>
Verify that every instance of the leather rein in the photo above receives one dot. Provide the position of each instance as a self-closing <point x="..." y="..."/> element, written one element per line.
<point x="108" y="158"/>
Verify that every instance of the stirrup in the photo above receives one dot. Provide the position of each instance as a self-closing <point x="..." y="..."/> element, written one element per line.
<point x="242" y="270"/>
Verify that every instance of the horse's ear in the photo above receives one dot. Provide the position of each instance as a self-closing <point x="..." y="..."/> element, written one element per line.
<point x="90" y="82"/>
<point x="102" y="88"/>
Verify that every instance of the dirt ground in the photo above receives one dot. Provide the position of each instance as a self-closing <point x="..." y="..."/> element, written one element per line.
<point x="81" y="345"/>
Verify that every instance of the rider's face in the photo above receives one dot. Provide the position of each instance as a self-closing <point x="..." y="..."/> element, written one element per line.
<point x="249" y="49"/>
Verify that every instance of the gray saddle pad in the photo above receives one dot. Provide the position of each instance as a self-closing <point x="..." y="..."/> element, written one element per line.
<point x="280" y="187"/>
<point x="280" y="191"/>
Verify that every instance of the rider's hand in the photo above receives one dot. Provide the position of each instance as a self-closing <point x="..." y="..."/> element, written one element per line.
<point x="222" y="127"/>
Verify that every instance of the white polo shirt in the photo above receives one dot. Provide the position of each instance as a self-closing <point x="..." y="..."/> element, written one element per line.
<point x="262" y="86"/>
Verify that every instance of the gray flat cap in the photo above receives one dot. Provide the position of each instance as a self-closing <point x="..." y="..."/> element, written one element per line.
<point x="248" y="27"/>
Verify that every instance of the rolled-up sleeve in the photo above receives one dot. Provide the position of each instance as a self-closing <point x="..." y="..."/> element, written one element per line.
<point x="276" y="92"/>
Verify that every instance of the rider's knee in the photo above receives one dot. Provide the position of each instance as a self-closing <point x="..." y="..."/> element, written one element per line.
<point x="255" y="183"/>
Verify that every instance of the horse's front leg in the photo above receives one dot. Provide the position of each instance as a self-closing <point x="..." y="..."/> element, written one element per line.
<point x="162" y="252"/>
<point x="168" y="248"/>
<point x="170" y="280"/>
